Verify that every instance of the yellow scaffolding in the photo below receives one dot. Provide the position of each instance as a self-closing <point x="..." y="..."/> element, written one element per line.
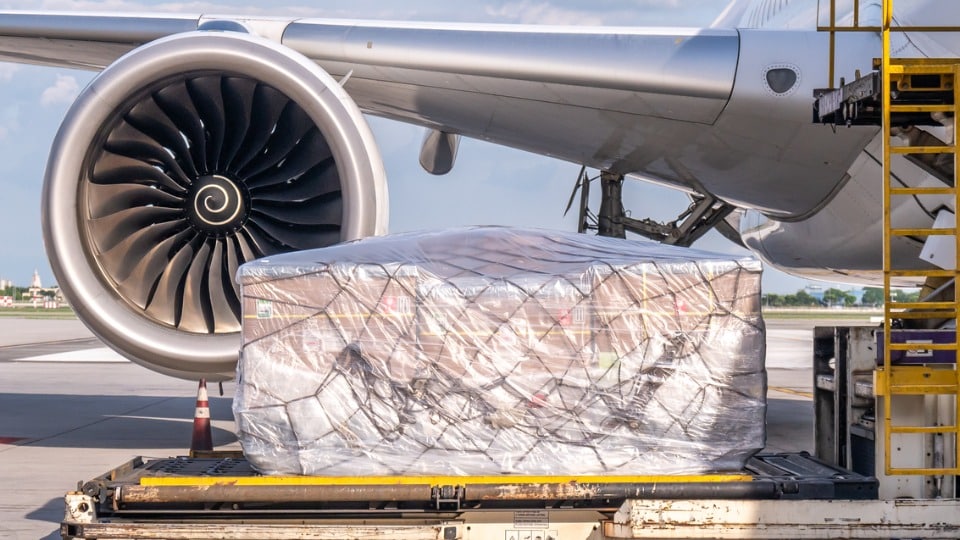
<point x="914" y="81"/>
<point x="910" y="77"/>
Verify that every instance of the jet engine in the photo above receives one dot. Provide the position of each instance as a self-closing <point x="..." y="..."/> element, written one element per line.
<point x="184" y="159"/>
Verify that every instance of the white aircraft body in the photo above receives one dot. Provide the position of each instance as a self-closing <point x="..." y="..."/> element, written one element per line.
<point x="208" y="141"/>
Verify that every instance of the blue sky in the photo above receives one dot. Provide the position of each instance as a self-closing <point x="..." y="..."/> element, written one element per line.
<point x="489" y="185"/>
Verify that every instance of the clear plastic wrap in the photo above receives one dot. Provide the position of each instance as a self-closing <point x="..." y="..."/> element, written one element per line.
<point x="500" y="351"/>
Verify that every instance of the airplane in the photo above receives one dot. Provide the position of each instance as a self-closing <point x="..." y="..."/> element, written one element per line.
<point x="207" y="141"/>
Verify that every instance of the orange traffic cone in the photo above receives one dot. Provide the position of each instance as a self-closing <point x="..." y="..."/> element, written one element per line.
<point x="202" y="437"/>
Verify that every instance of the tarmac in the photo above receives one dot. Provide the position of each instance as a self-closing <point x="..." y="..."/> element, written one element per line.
<point x="71" y="409"/>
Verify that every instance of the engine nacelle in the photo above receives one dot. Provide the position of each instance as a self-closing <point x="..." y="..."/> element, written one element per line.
<point x="184" y="159"/>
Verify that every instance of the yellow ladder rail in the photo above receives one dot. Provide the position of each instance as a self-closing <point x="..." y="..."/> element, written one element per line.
<point x="918" y="380"/>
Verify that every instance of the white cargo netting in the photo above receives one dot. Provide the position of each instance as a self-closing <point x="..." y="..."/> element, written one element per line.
<point x="500" y="351"/>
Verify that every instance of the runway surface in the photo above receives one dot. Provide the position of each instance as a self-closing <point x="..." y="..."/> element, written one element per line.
<point x="71" y="409"/>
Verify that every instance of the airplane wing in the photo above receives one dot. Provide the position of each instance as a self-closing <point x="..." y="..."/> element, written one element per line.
<point x="554" y="91"/>
<point x="640" y="101"/>
<point x="196" y="151"/>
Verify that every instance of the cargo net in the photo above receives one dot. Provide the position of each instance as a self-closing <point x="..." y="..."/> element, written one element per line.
<point x="488" y="364"/>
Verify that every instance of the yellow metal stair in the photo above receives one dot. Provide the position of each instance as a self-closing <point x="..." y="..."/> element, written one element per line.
<point x="920" y="77"/>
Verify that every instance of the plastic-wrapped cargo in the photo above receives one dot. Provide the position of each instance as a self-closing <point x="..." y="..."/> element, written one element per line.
<point x="493" y="350"/>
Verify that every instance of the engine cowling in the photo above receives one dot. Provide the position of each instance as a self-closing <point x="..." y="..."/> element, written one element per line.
<point x="184" y="159"/>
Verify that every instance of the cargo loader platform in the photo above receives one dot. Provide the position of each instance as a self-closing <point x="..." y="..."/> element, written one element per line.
<point x="221" y="496"/>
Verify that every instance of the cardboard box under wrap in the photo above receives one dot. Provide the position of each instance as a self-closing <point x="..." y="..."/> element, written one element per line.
<point x="331" y="308"/>
<point x="500" y="351"/>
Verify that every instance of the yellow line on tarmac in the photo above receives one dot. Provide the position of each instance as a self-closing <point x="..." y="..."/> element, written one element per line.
<point x="791" y="391"/>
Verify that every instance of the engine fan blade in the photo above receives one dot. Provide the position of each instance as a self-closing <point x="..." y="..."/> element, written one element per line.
<point x="322" y="210"/>
<point x="113" y="168"/>
<point x="268" y="105"/>
<point x="292" y="125"/>
<point x="221" y="302"/>
<point x="140" y="284"/>
<point x="210" y="123"/>
<point x="310" y="151"/>
<point x="234" y="258"/>
<point x="110" y="230"/>
<point x="174" y="100"/>
<point x="197" y="314"/>
<point x="165" y="302"/>
<point x="144" y="242"/>
<point x="206" y="96"/>
<point x="147" y="152"/>
<point x="301" y="237"/>
<point x="238" y="96"/>
<point x="148" y="117"/>
<point x="322" y="179"/>
<point x="248" y="251"/>
<point x="106" y="199"/>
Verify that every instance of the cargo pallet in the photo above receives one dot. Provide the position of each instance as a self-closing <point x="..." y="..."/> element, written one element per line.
<point x="221" y="496"/>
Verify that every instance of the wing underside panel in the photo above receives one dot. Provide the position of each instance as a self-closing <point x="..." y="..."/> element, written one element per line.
<point x="611" y="98"/>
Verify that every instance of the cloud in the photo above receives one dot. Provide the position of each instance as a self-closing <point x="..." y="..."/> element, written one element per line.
<point x="532" y="12"/>
<point x="9" y="119"/>
<point x="64" y="91"/>
<point x="7" y="71"/>
<point x="9" y="115"/>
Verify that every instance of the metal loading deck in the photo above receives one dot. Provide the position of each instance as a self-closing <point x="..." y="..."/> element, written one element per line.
<point x="223" y="494"/>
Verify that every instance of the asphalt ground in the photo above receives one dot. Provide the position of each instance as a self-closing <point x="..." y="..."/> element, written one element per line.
<point x="71" y="410"/>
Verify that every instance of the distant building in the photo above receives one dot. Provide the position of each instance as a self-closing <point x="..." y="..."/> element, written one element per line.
<point x="41" y="296"/>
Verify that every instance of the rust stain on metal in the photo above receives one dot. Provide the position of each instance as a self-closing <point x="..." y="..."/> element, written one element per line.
<point x="570" y="490"/>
